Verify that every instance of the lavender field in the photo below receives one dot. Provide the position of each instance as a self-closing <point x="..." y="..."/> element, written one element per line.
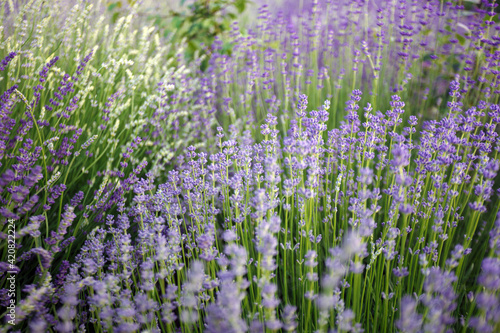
<point x="295" y="166"/>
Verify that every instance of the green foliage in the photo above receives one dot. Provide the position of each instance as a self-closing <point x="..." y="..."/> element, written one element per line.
<point x="116" y="6"/>
<point x="199" y="23"/>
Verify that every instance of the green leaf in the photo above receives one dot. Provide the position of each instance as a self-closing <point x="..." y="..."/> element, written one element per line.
<point x="114" y="5"/>
<point x="115" y="16"/>
<point x="461" y="39"/>
<point x="207" y="24"/>
<point x="193" y="29"/>
<point x="240" y="5"/>
<point x="204" y="64"/>
<point x="226" y="47"/>
<point x="177" y="22"/>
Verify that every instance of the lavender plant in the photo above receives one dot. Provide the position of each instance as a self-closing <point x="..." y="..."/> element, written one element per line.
<point x="337" y="173"/>
<point x="78" y="123"/>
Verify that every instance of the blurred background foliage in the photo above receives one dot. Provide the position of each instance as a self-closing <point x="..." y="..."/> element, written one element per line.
<point x="198" y="22"/>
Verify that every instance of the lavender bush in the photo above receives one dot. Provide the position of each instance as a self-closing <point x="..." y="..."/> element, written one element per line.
<point x="79" y="123"/>
<point x="337" y="173"/>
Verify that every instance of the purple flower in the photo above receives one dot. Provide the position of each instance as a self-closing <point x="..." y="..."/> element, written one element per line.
<point x="410" y="320"/>
<point x="302" y="106"/>
<point x="6" y="60"/>
<point x="401" y="157"/>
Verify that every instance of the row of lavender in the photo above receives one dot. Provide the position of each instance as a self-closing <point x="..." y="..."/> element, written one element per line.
<point x="248" y="197"/>
<point x="85" y="107"/>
